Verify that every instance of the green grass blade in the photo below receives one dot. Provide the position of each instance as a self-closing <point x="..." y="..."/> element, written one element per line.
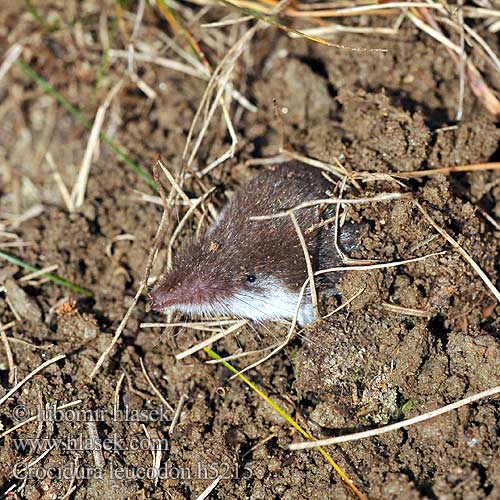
<point x="121" y="153"/>
<point x="50" y="276"/>
<point x="36" y="14"/>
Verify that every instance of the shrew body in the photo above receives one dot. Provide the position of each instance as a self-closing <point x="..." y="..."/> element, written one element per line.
<point x="255" y="268"/>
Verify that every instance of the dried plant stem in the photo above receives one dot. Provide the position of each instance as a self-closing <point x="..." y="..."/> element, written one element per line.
<point x="10" y="58"/>
<point x="405" y="423"/>
<point x="407" y="311"/>
<point x="99" y="461"/>
<point x="345" y="304"/>
<point x="476" y="82"/>
<point x="120" y="328"/>
<point x="362" y="9"/>
<point x="334" y="201"/>
<point x="462" y="252"/>
<point x="177" y="413"/>
<point x="8" y="353"/>
<point x="209" y="488"/>
<point x="446" y="170"/>
<point x="370" y="267"/>
<point x="35" y="418"/>
<point x="336" y="170"/>
<point x="177" y="188"/>
<point x="153" y="387"/>
<point x="310" y="272"/>
<point x="78" y="193"/>
<point x="31" y="375"/>
<point x="224" y="69"/>
<point x="183" y="221"/>
<point x="211" y="340"/>
<point x="66" y="196"/>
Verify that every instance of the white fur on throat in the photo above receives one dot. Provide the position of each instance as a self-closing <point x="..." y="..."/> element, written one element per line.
<point x="275" y="302"/>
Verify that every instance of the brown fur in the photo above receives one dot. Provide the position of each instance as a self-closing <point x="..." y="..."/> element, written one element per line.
<point x="236" y="247"/>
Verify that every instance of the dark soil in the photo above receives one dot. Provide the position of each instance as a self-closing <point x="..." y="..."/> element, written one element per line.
<point x="363" y="367"/>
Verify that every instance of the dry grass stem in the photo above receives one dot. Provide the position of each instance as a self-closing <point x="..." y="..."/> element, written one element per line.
<point x="460" y="28"/>
<point x="145" y="429"/>
<point x="477" y="167"/>
<point x="153" y="387"/>
<point x="195" y="69"/>
<point x="211" y="340"/>
<point x="31" y="375"/>
<point x="363" y="9"/>
<point x="227" y="22"/>
<point x="209" y="488"/>
<point x="370" y="267"/>
<point x="239" y="354"/>
<point x="11" y="57"/>
<point x="336" y="221"/>
<point x="489" y="218"/>
<point x="99" y="461"/>
<point x="225" y="70"/>
<point x="10" y="358"/>
<point x="119" y="330"/>
<point x="229" y="153"/>
<point x="310" y="272"/>
<point x="15" y="221"/>
<point x="116" y="399"/>
<point x="461" y="64"/>
<point x="41" y="457"/>
<point x="35" y="418"/>
<point x="480" y="40"/>
<point x="159" y="61"/>
<point x="437" y="35"/>
<point x="13" y="309"/>
<point x="42" y="347"/>
<point x="345" y="304"/>
<point x="333" y="29"/>
<point x="78" y="192"/>
<point x="476" y="82"/>
<point x="37" y="274"/>
<point x="16" y="244"/>
<point x="405" y="423"/>
<point x="8" y="325"/>
<point x="337" y="170"/>
<point x="66" y="196"/>
<point x="462" y="252"/>
<point x="182" y="222"/>
<point x="177" y="187"/>
<point x="407" y="311"/>
<point x="281" y="158"/>
<point x="333" y="201"/>
<point x="177" y="413"/>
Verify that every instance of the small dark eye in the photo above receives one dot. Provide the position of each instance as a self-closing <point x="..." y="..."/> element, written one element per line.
<point x="251" y="278"/>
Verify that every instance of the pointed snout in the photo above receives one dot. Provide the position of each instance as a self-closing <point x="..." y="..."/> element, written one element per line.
<point x="178" y="293"/>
